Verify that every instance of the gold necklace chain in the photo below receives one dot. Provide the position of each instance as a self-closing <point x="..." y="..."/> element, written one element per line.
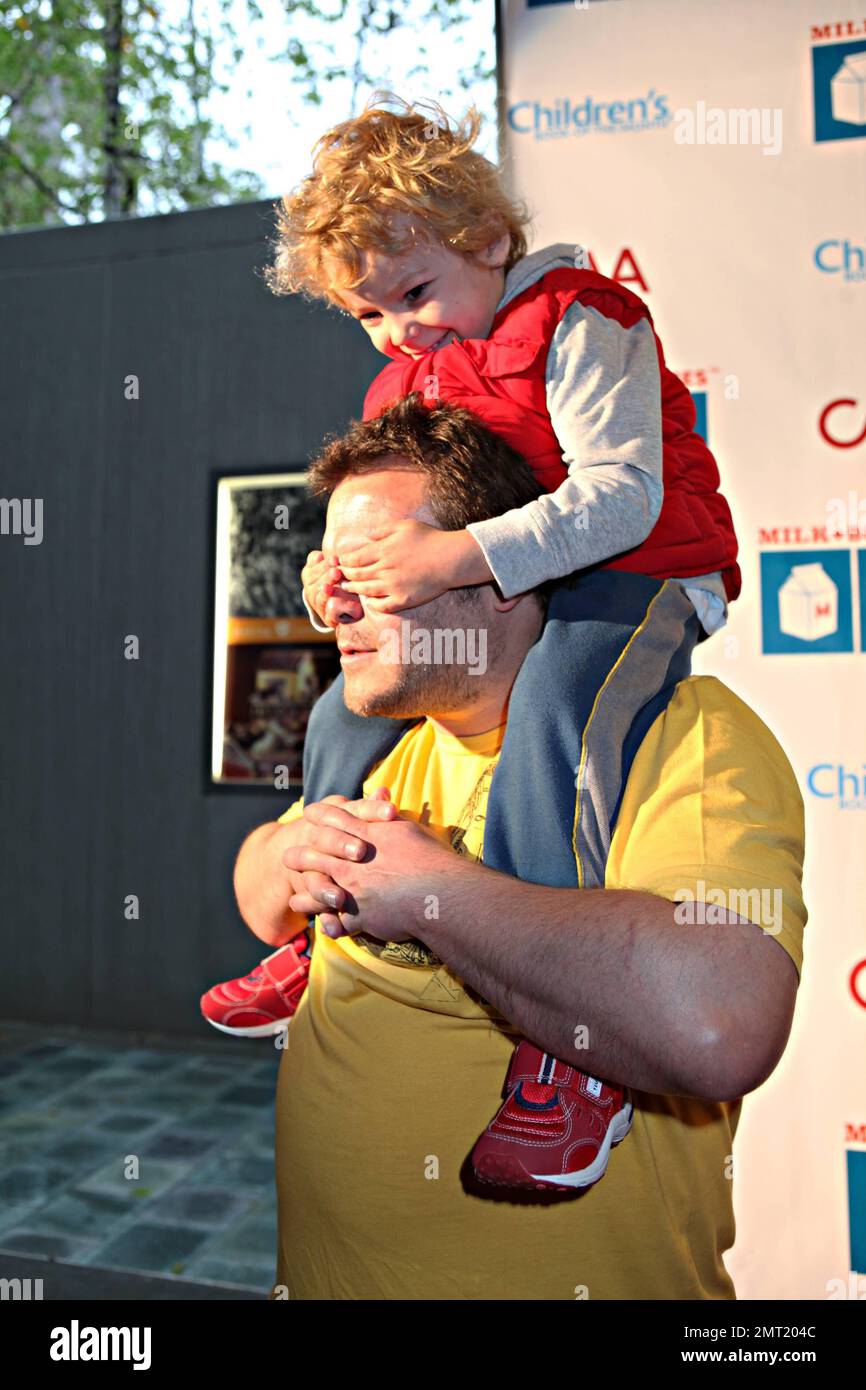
<point x="468" y="813"/>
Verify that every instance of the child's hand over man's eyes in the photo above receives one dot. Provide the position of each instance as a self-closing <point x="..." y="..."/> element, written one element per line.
<point x="319" y="577"/>
<point x="410" y="563"/>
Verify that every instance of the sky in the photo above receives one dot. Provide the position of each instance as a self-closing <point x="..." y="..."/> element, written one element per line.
<point x="265" y="112"/>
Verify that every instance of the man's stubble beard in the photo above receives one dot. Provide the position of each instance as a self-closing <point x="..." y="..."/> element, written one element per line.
<point x="416" y="691"/>
<point x="426" y="688"/>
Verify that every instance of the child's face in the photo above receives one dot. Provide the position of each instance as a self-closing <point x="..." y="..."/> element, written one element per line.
<point x="412" y="303"/>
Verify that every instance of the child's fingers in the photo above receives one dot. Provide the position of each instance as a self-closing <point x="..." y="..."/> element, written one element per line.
<point x="368" y="588"/>
<point x="360" y="569"/>
<point x="377" y="533"/>
<point x="363" y="555"/>
<point x="314" y="575"/>
<point x="316" y="601"/>
<point x="319" y="594"/>
<point x="388" y="602"/>
<point x="315" y="561"/>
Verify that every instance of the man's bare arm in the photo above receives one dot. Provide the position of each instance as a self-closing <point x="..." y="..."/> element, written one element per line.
<point x="263" y="885"/>
<point x="680" y="1010"/>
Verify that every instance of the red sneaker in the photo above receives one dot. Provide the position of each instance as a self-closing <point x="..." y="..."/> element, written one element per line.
<point x="262" y="1003"/>
<point x="556" y="1128"/>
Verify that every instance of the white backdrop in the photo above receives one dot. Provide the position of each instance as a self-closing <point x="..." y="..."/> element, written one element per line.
<point x="754" y="267"/>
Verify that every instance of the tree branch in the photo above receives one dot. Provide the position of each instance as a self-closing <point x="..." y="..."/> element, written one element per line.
<point x="37" y="180"/>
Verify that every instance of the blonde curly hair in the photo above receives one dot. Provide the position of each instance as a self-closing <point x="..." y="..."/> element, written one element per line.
<point x="378" y="164"/>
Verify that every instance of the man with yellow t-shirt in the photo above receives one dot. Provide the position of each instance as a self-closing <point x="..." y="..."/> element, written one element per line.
<point x="429" y="964"/>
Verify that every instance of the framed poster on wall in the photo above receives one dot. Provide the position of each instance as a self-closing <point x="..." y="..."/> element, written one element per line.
<point x="270" y="663"/>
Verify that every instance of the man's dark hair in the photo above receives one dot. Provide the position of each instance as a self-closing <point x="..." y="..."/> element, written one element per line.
<point x="471" y="473"/>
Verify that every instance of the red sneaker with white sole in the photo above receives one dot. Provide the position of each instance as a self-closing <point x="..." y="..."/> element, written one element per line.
<point x="262" y="1003"/>
<point x="556" y="1128"/>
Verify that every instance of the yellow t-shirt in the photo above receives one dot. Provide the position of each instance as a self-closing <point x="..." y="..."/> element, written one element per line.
<point x="393" y="1069"/>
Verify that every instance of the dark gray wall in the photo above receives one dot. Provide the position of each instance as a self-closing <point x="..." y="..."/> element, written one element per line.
<point x="103" y="761"/>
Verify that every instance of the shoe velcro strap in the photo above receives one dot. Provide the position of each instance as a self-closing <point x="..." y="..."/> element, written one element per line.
<point x="529" y="1063"/>
<point x="285" y="968"/>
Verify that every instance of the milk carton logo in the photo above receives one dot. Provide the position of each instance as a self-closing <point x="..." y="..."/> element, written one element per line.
<point x="839" y="82"/>
<point x="856" y="1158"/>
<point x="806" y="601"/>
<point x="848" y="91"/>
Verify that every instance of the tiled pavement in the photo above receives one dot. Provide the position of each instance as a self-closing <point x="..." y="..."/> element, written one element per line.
<point x="155" y="1158"/>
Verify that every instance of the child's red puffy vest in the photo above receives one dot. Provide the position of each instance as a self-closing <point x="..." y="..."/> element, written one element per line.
<point x="502" y="379"/>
